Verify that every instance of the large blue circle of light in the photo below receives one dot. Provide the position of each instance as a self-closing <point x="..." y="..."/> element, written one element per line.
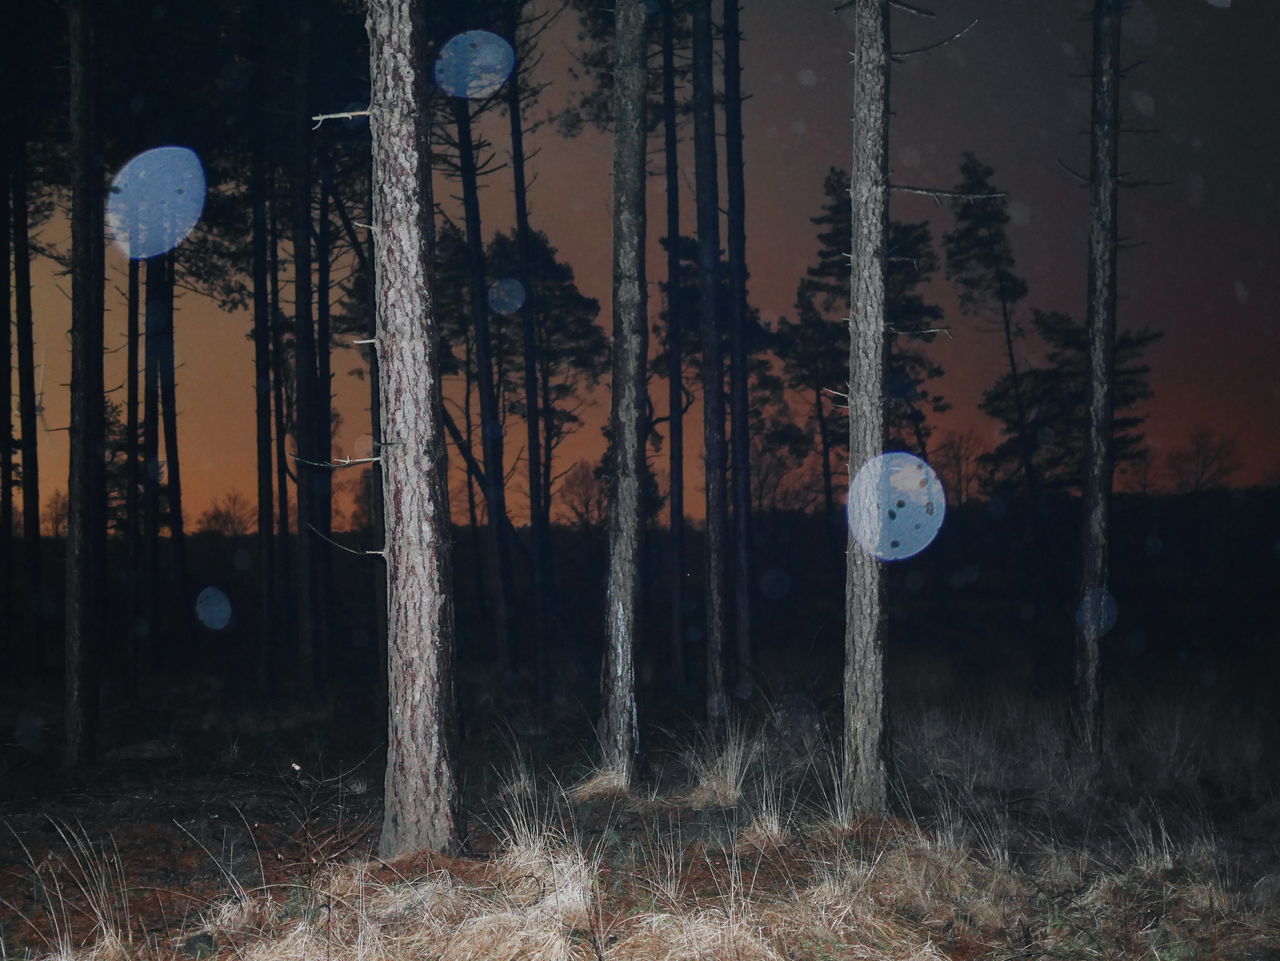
<point x="213" y="608"/>
<point x="506" y="296"/>
<point x="156" y="199"/>
<point x="896" y="505"/>
<point x="474" y="64"/>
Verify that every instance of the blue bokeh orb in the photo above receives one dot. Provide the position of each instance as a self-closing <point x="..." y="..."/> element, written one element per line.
<point x="156" y="200"/>
<point x="896" y="506"/>
<point x="474" y="64"/>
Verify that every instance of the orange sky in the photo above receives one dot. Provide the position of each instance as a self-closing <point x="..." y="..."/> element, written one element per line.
<point x="1207" y="275"/>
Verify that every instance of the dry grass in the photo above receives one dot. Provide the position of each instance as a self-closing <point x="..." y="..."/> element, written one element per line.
<point x="737" y="864"/>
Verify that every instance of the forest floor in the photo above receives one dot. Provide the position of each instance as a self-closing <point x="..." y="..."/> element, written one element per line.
<point x="249" y="844"/>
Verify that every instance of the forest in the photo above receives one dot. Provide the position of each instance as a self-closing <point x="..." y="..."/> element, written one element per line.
<point x="649" y="480"/>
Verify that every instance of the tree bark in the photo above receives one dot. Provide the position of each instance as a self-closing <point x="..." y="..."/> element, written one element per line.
<point x="421" y="786"/>
<point x="619" y="737"/>
<point x="865" y="736"/>
<point x="86" y="522"/>
<point x="1103" y="176"/>
<point x="704" y="135"/>
<point x="675" y="359"/>
<point x="490" y="428"/>
<point x="739" y="410"/>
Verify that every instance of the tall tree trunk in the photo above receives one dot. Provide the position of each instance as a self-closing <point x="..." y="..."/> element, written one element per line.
<point x="267" y="628"/>
<point x="1091" y="623"/>
<point x="310" y="655"/>
<point x="630" y="400"/>
<point x="133" y="474"/>
<point x="704" y="136"/>
<point x="542" y="566"/>
<point x="490" y="429"/>
<point x="739" y="410"/>
<point x="473" y="515"/>
<point x="86" y="522"/>
<point x="9" y="648"/>
<point x="421" y="786"/>
<point x="323" y="449"/>
<point x="169" y="417"/>
<point x="285" y="575"/>
<point x="866" y="742"/>
<point x="149" y="628"/>
<point x="675" y="360"/>
<point x="28" y="409"/>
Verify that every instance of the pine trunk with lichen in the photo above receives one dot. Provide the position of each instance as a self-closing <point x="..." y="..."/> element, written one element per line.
<point x="421" y="783"/>
<point x="865" y="770"/>
<point x="630" y="402"/>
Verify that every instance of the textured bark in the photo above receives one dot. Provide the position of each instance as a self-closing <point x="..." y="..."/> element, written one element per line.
<point x="490" y="428"/>
<point x="675" y="360"/>
<point x="739" y="410"/>
<point x="28" y="402"/>
<point x="1103" y="176"/>
<point x="704" y="137"/>
<point x="262" y="396"/>
<point x="630" y="399"/>
<point x="865" y="735"/>
<point x="421" y="792"/>
<point x="86" y="523"/>
<point x="538" y="519"/>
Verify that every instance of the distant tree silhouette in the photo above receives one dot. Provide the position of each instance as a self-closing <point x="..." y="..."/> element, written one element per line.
<point x="230" y="515"/>
<point x="980" y="262"/>
<point x="1207" y="462"/>
<point x="1055" y="399"/>
<point x="584" y="492"/>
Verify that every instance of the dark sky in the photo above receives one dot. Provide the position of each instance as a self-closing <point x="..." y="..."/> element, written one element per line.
<point x="1014" y="91"/>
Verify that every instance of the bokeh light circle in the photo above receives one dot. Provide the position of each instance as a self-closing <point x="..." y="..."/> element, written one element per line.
<point x="155" y="201"/>
<point x="896" y="506"/>
<point x="474" y="64"/>
<point x="213" y="608"/>
<point x="506" y="295"/>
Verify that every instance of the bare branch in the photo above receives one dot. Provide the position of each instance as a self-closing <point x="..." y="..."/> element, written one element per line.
<point x="897" y="55"/>
<point x="348" y="115"/>
<point x="343" y="547"/>
<point x="938" y="194"/>
<point x="1079" y="176"/>
<point x="915" y="11"/>
<point x="345" y="462"/>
